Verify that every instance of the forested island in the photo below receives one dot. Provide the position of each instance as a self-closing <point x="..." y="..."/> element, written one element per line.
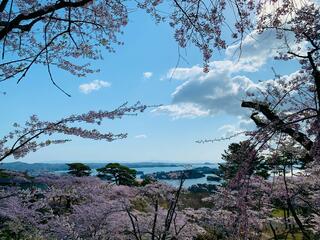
<point x="198" y="172"/>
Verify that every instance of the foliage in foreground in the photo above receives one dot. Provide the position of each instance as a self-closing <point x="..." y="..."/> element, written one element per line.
<point x="286" y="111"/>
<point x="88" y="208"/>
<point x="68" y="207"/>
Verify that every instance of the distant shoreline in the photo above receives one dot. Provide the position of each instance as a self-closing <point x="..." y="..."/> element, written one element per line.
<point x="51" y="167"/>
<point x="142" y="167"/>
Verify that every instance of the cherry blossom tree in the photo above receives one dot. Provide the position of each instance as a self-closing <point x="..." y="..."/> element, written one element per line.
<point x="158" y="222"/>
<point x="284" y="109"/>
<point x="30" y="137"/>
<point x="56" y="33"/>
<point x="288" y="107"/>
<point x="286" y="113"/>
<point x="89" y="208"/>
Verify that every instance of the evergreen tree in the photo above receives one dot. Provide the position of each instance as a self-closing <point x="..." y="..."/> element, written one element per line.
<point x="79" y="169"/>
<point x="237" y="156"/>
<point x="121" y="174"/>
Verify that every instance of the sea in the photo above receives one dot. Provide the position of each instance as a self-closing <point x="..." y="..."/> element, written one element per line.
<point x="187" y="183"/>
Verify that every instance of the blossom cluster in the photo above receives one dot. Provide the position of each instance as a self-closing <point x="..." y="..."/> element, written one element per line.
<point x="29" y="138"/>
<point x="67" y="207"/>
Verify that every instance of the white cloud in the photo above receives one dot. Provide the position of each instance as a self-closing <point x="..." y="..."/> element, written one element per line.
<point x="141" y="136"/>
<point x="217" y="92"/>
<point x="184" y="73"/>
<point x="241" y="126"/>
<point x="147" y="75"/>
<point x="95" y="85"/>
<point x="229" y="130"/>
<point x="203" y="94"/>
<point x="256" y="49"/>
<point x="183" y="110"/>
<point x="246" y="123"/>
<point x="225" y="85"/>
<point x="280" y="85"/>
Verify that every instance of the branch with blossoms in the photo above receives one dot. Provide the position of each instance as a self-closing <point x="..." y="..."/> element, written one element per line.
<point x="25" y="139"/>
<point x="55" y="33"/>
<point x="278" y="124"/>
<point x="58" y="32"/>
<point x="222" y="138"/>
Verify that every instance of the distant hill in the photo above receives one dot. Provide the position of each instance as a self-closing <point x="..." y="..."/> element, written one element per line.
<point x="34" y="167"/>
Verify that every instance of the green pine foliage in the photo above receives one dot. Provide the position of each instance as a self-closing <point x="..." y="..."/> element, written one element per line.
<point x="79" y="169"/>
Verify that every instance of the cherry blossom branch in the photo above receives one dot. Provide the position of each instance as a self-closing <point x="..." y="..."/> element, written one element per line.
<point x="34" y="128"/>
<point x="279" y="124"/>
<point x="38" y="13"/>
<point x="292" y="210"/>
<point x="222" y="138"/>
<point x="172" y="209"/>
<point x="155" y="218"/>
<point x="134" y="220"/>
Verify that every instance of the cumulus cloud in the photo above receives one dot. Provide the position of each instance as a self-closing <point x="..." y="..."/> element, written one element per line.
<point x="225" y="85"/>
<point x="183" y="110"/>
<point x="229" y="130"/>
<point x="203" y="94"/>
<point x="241" y="126"/>
<point x="256" y="49"/>
<point x="281" y="84"/>
<point x="147" y="75"/>
<point x="95" y="85"/>
<point x="245" y="124"/>
<point x="217" y="93"/>
<point x="185" y="73"/>
<point x="141" y="136"/>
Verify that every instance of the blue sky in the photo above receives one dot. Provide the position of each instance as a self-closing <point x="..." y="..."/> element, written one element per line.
<point x="195" y="105"/>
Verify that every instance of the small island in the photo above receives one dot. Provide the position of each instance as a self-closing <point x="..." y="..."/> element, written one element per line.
<point x="214" y="178"/>
<point x="194" y="173"/>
